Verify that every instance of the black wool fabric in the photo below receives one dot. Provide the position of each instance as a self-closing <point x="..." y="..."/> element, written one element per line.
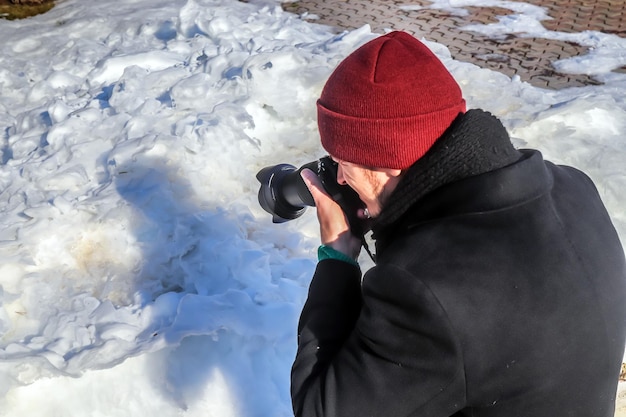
<point x="498" y="291"/>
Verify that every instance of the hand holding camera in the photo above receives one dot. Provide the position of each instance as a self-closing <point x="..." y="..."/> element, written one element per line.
<point x="335" y="230"/>
<point x="285" y="195"/>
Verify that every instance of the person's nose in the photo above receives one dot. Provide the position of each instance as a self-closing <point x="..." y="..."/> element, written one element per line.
<point x="340" y="178"/>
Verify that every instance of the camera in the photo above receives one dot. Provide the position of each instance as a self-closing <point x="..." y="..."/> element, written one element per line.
<point x="285" y="196"/>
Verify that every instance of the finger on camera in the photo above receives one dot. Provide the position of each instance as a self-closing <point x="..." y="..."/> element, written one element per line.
<point x="312" y="181"/>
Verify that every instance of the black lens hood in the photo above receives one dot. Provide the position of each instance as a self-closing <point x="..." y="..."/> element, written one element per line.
<point x="271" y="196"/>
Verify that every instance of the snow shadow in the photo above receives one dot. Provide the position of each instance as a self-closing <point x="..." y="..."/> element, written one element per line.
<point x="160" y="200"/>
<point x="201" y="279"/>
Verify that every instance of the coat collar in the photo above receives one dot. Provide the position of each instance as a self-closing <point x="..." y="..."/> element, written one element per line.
<point x="473" y="167"/>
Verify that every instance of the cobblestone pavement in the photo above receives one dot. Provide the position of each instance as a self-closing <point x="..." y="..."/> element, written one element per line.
<point x="528" y="57"/>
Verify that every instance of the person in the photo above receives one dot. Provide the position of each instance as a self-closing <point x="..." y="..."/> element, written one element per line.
<point x="499" y="282"/>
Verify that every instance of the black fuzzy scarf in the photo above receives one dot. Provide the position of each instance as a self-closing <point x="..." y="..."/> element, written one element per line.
<point x="475" y="143"/>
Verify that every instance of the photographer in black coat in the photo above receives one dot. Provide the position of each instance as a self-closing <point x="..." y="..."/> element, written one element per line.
<point x="499" y="281"/>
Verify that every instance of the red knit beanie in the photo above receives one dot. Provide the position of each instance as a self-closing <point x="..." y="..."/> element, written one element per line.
<point x="387" y="103"/>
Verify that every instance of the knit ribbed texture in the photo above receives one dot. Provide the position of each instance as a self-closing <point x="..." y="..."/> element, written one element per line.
<point x="387" y="103"/>
<point x="327" y="252"/>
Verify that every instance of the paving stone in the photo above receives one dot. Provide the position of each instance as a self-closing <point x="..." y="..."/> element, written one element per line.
<point x="529" y="58"/>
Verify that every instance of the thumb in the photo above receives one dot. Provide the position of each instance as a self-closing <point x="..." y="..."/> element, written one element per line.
<point x="314" y="184"/>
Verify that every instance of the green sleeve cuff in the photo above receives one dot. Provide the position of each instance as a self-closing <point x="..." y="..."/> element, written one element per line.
<point x="326" y="252"/>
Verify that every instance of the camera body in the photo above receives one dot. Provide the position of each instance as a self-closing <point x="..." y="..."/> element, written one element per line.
<point x="285" y="196"/>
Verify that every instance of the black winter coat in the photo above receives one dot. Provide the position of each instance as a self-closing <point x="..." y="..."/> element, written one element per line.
<point x="497" y="291"/>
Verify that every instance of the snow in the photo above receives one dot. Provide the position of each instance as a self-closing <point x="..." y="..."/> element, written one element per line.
<point x="139" y="275"/>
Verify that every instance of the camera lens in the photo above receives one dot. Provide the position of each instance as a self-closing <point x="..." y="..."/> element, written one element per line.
<point x="283" y="193"/>
<point x="285" y="196"/>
